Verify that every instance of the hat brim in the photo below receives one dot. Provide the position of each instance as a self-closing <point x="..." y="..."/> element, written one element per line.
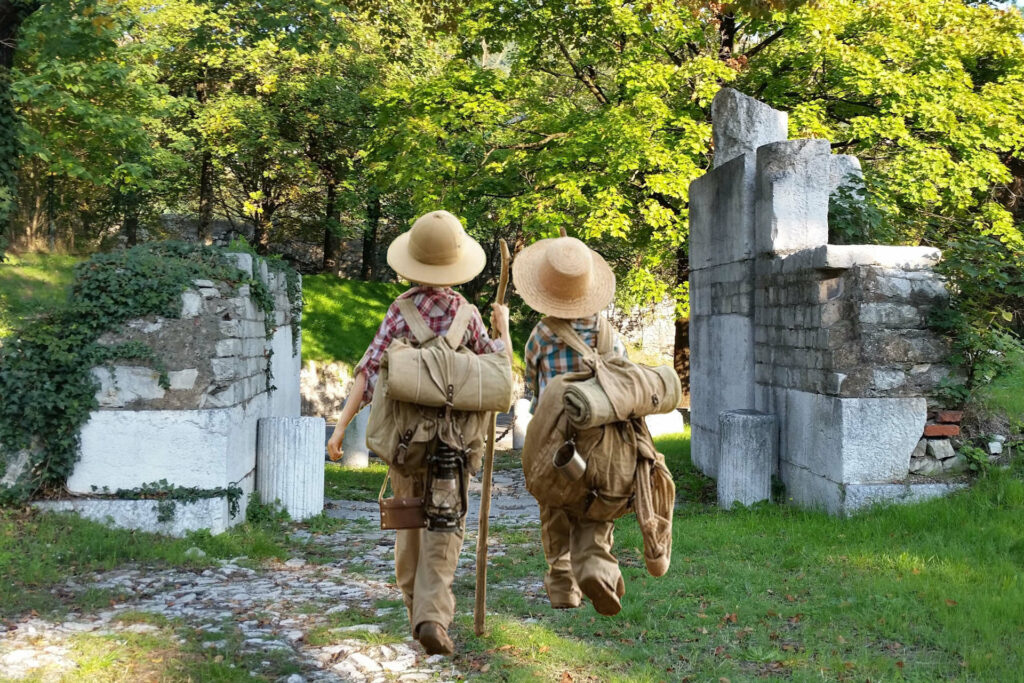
<point x="525" y="270"/>
<point x="471" y="261"/>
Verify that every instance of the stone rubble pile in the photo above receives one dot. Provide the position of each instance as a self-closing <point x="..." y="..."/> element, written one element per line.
<point x="935" y="454"/>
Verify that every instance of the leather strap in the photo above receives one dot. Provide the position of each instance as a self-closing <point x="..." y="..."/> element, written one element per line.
<point x="460" y="324"/>
<point x="384" y="486"/>
<point x="604" y="336"/>
<point x="417" y="325"/>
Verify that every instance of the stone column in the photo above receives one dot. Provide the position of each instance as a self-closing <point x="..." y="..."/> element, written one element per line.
<point x="747" y="443"/>
<point x="354" y="451"/>
<point x="290" y="464"/>
<point x="520" y="421"/>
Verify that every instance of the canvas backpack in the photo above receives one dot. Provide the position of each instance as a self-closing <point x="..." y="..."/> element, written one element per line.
<point x="624" y="471"/>
<point x="401" y="432"/>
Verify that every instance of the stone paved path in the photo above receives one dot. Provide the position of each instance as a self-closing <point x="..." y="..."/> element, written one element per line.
<point x="272" y="607"/>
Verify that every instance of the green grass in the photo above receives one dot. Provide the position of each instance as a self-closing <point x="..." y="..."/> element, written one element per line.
<point x="32" y="283"/>
<point x="353" y="483"/>
<point x="921" y="592"/>
<point x="40" y="550"/>
<point x="341" y="316"/>
<point x="1005" y="396"/>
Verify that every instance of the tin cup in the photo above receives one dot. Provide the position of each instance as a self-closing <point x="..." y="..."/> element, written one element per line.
<point x="569" y="463"/>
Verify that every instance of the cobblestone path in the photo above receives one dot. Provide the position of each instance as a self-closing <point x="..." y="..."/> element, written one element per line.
<point x="341" y="620"/>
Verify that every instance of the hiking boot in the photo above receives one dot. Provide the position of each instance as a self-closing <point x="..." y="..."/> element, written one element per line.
<point x="605" y="599"/>
<point x="434" y="639"/>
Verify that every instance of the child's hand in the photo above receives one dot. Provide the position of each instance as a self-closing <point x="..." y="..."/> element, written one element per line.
<point x="499" y="319"/>
<point x="334" y="445"/>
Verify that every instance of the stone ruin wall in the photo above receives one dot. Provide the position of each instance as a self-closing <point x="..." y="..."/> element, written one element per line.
<point x="832" y="339"/>
<point x="652" y="328"/>
<point x="201" y="431"/>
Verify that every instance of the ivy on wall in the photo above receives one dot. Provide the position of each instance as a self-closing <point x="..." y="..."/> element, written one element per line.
<point x="45" y="380"/>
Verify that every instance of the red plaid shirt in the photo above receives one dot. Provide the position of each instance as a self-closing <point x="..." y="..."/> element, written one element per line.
<point x="438" y="306"/>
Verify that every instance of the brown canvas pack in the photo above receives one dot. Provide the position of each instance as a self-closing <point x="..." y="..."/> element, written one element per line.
<point x="400" y="431"/>
<point x="435" y="375"/>
<point x="624" y="471"/>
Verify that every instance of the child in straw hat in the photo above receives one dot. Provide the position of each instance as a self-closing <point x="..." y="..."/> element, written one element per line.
<point x="564" y="278"/>
<point x="434" y="254"/>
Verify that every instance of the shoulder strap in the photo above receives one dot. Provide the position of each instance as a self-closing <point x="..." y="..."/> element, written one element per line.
<point x="417" y="325"/>
<point x="564" y="331"/>
<point x="460" y="324"/>
<point x="605" y="336"/>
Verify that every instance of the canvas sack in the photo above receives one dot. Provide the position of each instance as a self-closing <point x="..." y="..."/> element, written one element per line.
<point x="447" y="373"/>
<point x="400" y="432"/>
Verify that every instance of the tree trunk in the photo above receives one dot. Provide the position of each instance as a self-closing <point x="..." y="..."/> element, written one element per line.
<point x="727" y="34"/>
<point x="261" y="229"/>
<point x="131" y="229"/>
<point x="204" y="230"/>
<point x="370" y="237"/>
<point x="681" y="357"/>
<point x="12" y="15"/>
<point x="332" y="241"/>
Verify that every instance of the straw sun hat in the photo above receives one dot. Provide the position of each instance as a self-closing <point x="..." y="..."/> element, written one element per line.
<point x="436" y="251"/>
<point x="563" y="277"/>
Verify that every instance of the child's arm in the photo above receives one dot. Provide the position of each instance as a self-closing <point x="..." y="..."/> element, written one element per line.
<point x="365" y="376"/>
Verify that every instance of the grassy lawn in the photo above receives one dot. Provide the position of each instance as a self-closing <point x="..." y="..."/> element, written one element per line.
<point x="31" y="283"/>
<point x="341" y="316"/>
<point x="923" y="592"/>
<point x="1005" y="396"/>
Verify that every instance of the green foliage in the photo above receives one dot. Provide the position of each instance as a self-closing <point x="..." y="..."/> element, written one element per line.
<point x="853" y="218"/>
<point x="268" y="514"/>
<point x="986" y="319"/>
<point x="1003" y="396"/>
<point x="168" y="494"/>
<point x="977" y="458"/>
<point x="45" y="376"/>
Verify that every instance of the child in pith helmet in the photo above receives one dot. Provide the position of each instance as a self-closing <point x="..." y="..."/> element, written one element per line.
<point x="435" y="254"/>
<point x="564" y="278"/>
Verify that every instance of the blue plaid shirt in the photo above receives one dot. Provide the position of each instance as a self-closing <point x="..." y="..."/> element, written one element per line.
<point x="547" y="357"/>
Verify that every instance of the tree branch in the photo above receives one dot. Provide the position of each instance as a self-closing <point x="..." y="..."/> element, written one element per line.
<point x="581" y="75"/>
<point x="764" y="43"/>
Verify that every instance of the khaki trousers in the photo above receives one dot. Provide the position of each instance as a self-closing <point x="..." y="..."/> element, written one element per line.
<point x="425" y="562"/>
<point x="576" y="550"/>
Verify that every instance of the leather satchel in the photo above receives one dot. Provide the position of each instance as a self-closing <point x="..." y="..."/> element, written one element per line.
<point x="400" y="513"/>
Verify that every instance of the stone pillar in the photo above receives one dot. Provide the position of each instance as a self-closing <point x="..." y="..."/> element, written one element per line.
<point x="354" y="451"/>
<point x="520" y="421"/>
<point x="290" y="464"/>
<point x="747" y="443"/>
<point x="723" y="250"/>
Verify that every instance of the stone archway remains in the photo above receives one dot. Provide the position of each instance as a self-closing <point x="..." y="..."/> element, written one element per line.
<point x="831" y="339"/>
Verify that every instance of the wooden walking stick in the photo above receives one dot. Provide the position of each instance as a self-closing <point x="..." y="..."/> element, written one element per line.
<point x="480" y="609"/>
